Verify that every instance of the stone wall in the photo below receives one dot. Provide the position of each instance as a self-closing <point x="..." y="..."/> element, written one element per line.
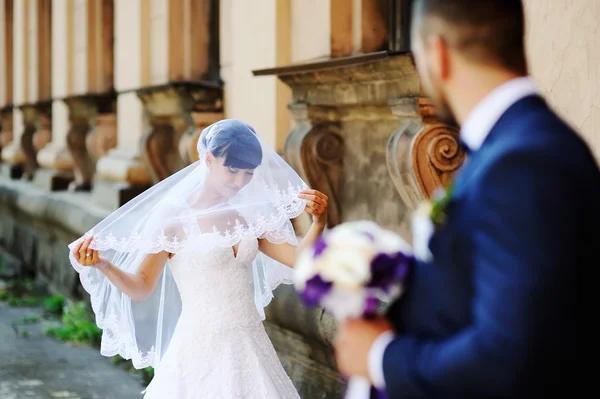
<point x="563" y="44"/>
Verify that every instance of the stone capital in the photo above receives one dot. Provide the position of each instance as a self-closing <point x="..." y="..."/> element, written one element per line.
<point x="166" y="143"/>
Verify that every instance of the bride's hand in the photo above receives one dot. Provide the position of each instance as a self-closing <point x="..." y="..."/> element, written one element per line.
<point x="87" y="256"/>
<point x="316" y="205"/>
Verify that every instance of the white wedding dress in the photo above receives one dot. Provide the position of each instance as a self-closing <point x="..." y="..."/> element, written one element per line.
<point x="219" y="349"/>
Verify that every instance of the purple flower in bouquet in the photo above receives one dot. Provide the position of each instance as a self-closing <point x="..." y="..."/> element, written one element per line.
<point x="388" y="268"/>
<point x="316" y="289"/>
<point x="319" y="246"/>
<point x="353" y="269"/>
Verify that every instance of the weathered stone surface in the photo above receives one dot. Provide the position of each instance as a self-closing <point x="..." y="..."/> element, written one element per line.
<point x="37" y="367"/>
<point x="351" y="103"/>
<point x="10" y="266"/>
<point x="37" y="227"/>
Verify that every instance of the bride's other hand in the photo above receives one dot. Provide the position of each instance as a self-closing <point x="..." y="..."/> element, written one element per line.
<point x="87" y="256"/>
<point x="138" y="285"/>
<point x="316" y="205"/>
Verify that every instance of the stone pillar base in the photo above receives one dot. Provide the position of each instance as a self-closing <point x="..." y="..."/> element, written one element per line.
<point x="14" y="161"/>
<point x="120" y="176"/>
<point x="11" y="171"/>
<point x="112" y="195"/>
<point x="52" y="180"/>
<point x="56" y="170"/>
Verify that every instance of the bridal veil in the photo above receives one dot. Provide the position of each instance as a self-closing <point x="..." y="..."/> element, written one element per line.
<point x="171" y="217"/>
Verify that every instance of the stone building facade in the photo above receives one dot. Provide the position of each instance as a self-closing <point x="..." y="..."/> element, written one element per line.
<point x="100" y="99"/>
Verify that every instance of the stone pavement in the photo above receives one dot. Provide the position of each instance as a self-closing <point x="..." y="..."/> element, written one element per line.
<point x="33" y="366"/>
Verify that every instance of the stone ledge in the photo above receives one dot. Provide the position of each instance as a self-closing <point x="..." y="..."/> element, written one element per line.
<point x="74" y="212"/>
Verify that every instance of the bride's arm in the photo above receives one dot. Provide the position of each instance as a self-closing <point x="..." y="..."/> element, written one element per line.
<point x="139" y="285"/>
<point x="286" y="253"/>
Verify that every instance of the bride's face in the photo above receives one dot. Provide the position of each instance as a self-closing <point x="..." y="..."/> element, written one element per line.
<point x="227" y="180"/>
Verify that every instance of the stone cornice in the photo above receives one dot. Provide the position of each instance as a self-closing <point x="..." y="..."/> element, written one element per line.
<point x="373" y="81"/>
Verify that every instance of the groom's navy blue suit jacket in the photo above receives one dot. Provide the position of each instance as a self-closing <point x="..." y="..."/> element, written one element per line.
<point x="494" y="313"/>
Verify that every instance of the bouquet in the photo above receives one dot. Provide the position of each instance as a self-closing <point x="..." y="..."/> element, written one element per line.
<point x="353" y="270"/>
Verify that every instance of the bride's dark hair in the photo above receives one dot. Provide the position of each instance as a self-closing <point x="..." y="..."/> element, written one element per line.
<point x="235" y="141"/>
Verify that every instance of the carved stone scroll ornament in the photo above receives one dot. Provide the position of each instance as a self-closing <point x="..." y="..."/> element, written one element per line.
<point x="76" y="142"/>
<point x="168" y="109"/>
<point x="38" y="133"/>
<point x="423" y="154"/>
<point x="6" y="128"/>
<point x="436" y="156"/>
<point x="43" y="134"/>
<point x="83" y="114"/>
<point x="103" y="136"/>
<point x="29" y="123"/>
<point x="316" y="152"/>
<point x="160" y="148"/>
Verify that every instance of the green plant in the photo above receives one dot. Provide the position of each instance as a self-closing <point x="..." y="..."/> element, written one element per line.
<point x="21" y="292"/>
<point x="77" y="326"/>
<point x="25" y="301"/>
<point x="147" y="374"/>
<point x="54" y="305"/>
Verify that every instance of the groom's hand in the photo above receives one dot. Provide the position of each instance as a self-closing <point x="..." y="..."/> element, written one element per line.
<point x="353" y="342"/>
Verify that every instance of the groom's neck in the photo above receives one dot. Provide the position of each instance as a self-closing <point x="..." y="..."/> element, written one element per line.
<point x="471" y="86"/>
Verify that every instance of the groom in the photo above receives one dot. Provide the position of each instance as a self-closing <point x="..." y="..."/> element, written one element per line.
<point x="493" y="314"/>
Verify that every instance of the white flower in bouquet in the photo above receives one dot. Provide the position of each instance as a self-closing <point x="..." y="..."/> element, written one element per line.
<point x="352" y="269"/>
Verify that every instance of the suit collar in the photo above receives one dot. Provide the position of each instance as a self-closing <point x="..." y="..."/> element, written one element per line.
<point x="488" y="111"/>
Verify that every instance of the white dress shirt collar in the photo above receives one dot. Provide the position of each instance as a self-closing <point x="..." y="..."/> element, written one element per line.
<point x="488" y="111"/>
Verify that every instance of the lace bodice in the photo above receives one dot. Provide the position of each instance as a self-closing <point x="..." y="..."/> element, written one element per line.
<point x="219" y="348"/>
<point x="215" y="286"/>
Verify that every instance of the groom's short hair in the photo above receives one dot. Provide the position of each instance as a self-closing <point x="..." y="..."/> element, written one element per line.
<point x="484" y="31"/>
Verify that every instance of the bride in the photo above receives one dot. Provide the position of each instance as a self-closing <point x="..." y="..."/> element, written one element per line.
<point x="179" y="276"/>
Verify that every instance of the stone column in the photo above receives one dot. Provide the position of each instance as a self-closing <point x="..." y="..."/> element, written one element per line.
<point x="83" y="74"/>
<point x="12" y="154"/>
<point x="37" y="82"/>
<point x="120" y="171"/>
<point x="6" y="72"/>
<point x="184" y="33"/>
<point x="56" y="164"/>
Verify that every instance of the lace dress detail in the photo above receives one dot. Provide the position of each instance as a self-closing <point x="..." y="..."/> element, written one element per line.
<point x="219" y="348"/>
